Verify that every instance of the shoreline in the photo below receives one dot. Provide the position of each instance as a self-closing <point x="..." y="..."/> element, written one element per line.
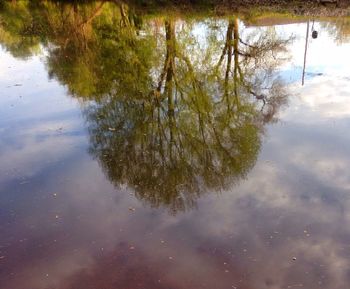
<point x="307" y="8"/>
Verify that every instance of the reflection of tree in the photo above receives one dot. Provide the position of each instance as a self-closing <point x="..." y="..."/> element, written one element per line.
<point x="112" y="51"/>
<point x="15" y="29"/>
<point x="339" y="29"/>
<point x="172" y="143"/>
<point x="165" y="118"/>
<point x="254" y="61"/>
<point x="178" y="139"/>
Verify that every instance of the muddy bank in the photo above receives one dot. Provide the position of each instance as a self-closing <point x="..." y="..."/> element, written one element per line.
<point x="321" y="8"/>
<point x="326" y="8"/>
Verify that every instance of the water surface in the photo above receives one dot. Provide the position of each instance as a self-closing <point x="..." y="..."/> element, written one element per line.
<point x="162" y="151"/>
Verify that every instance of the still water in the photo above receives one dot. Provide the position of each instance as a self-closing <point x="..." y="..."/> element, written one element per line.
<point x="169" y="152"/>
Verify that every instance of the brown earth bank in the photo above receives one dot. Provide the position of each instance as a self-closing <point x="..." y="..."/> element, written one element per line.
<point x="308" y="8"/>
<point x="328" y="8"/>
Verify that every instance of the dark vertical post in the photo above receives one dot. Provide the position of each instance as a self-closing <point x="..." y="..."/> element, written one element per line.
<point x="306" y="42"/>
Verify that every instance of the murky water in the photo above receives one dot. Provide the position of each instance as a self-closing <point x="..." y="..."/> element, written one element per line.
<point x="172" y="152"/>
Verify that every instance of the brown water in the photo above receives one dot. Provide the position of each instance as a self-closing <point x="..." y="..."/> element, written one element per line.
<point x="159" y="152"/>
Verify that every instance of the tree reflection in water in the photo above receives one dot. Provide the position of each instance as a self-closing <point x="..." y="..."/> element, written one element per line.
<point x="192" y="124"/>
<point x="172" y="113"/>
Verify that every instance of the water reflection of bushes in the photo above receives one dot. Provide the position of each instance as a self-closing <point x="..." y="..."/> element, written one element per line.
<point x="169" y="114"/>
